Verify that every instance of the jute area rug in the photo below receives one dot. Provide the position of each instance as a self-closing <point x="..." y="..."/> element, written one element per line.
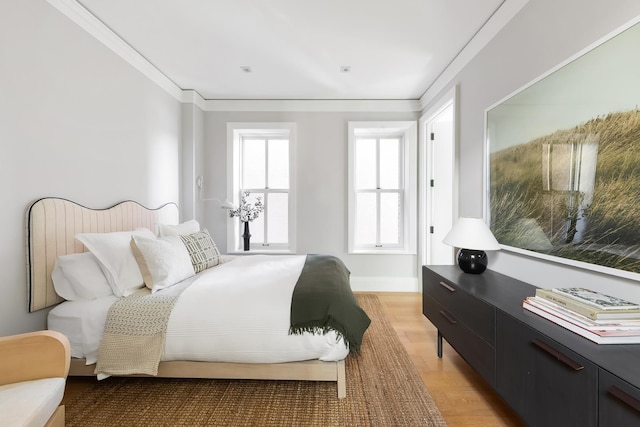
<point x="383" y="389"/>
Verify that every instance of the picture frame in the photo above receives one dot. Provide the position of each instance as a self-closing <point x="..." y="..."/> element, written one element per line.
<point x="563" y="160"/>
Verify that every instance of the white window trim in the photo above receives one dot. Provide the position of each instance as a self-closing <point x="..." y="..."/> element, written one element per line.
<point x="409" y="130"/>
<point x="234" y="131"/>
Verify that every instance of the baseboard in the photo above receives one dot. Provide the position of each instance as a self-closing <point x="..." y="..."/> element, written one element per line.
<point x="384" y="284"/>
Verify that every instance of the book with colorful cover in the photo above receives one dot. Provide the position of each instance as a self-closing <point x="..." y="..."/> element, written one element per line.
<point x="590" y="335"/>
<point x="597" y="299"/>
<point x="587" y="310"/>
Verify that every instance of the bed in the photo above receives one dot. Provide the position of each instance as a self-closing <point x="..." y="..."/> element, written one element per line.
<point x="52" y="227"/>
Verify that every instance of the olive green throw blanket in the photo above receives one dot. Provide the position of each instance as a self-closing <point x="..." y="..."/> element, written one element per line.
<point x="323" y="301"/>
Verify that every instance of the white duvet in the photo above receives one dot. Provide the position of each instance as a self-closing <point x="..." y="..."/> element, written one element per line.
<point x="238" y="311"/>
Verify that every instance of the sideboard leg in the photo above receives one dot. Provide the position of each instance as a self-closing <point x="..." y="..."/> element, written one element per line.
<point x="439" y="344"/>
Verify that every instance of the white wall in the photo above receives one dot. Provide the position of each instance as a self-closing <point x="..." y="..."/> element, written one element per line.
<point x="78" y="122"/>
<point x="321" y="164"/>
<point x="191" y="160"/>
<point x="544" y="34"/>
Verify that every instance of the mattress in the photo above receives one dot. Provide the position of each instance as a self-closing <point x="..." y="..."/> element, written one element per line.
<point x="238" y="311"/>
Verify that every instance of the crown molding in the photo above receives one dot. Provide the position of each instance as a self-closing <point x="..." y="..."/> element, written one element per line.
<point x="313" y="105"/>
<point x="507" y="10"/>
<point x="190" y="96"/>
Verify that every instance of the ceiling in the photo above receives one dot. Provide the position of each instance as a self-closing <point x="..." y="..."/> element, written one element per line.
<point x="296" y="49"/>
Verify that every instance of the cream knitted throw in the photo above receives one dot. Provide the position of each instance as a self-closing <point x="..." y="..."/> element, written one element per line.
<point x="134" y="334"/>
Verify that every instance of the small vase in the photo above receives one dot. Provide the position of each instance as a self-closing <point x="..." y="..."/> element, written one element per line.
<point x="246" y="236"/>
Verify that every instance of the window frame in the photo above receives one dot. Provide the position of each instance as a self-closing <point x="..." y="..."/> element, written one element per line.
<point x="236" y="132"/>
<point x="407" y="132"/>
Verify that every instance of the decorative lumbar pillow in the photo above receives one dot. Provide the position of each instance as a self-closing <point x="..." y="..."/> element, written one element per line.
<point x="203" y="251"/>
<point x="163" y="262"/>
<point x="116" y="259"/>
<point x="187" y="227"/>
<point x="79" y="277"/>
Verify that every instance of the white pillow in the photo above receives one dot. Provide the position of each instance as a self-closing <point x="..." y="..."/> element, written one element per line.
<point x="79" y="277"/>
<point x="163" y="262"/>
<point x="187" y="227"/>
<point x="116" y="259"/>
<point x="62" y="285"/>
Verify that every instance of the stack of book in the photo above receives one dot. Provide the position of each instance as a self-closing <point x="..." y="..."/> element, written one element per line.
<point x="601" y="318"/>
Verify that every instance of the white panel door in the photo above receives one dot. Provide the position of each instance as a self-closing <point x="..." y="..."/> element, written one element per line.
<point x="440" y="190"/>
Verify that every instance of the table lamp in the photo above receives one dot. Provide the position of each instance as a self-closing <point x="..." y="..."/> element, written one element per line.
<point x="473" y="237"/>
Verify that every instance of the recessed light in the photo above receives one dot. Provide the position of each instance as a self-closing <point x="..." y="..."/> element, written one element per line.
<point x="245" y="68"/>
<point x="345" y="68"/>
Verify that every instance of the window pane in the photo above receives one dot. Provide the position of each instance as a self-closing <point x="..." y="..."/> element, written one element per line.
<point x="256" y="227"/>
<point x="253" y="163"/>
<point x="277" y="221"/>
<point x="365" y="219"/>
<point x="390" y="218"/>
<point x="365" y="176"/>
<point x="390" y="163"/>
<point x="278" y="164"/>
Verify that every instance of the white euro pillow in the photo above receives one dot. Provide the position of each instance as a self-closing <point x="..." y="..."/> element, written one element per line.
<point x="187" y="227"/>
<point x="116" y="259"/>
<point x="79" y="277"/>
<point x="163" y="262"/>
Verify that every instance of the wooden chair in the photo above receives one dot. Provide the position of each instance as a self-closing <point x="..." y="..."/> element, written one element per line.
<point x="33" y="371"/>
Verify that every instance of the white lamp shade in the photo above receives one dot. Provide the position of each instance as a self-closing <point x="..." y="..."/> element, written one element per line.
<point x="471" y="233"/>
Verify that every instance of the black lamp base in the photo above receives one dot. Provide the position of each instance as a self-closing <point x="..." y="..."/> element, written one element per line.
<point x="472" y="261"/>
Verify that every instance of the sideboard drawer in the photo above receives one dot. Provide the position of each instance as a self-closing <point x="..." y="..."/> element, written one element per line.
<point x="475" y="350"/>
<point x="467" y="309"/>
<point x="546" y="383"/>
<point x="619" y="401"/>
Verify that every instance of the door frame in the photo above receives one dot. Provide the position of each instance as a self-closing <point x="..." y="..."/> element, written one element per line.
<point x="425" y="192"/>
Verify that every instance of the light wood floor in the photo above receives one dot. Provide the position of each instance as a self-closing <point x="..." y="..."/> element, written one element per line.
<point x="463" y="397"/>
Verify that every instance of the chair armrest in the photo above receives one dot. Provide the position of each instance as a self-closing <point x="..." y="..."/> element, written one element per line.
<point x="34" y="355"/>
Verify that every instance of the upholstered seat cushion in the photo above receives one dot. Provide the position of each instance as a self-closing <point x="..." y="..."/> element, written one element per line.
<point x="30" y="403"/>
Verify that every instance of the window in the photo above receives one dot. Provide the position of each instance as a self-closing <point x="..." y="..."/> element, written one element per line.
<point x="261" y="164"/>
<point x="382" y="187"/>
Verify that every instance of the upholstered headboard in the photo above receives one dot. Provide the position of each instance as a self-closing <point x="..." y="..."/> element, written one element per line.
<point x="52" y="224"/>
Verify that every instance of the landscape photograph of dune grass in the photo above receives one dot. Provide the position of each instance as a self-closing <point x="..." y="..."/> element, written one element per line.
<point x="574" y="193"/>
<point x="564" y="161"/>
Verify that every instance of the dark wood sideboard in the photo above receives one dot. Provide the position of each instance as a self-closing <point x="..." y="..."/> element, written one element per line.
<point x="549" y="376"/>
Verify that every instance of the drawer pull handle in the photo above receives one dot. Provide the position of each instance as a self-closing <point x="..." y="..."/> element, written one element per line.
<point x="449" y="317"/>
<point x="625" y="397"/>
<point x="558" y="355"/>
<point x="447" y="287"/>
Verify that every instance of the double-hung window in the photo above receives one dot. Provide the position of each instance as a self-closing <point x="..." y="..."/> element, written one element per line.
<point x="382" y="187"/>
<point x="261" y="164"/>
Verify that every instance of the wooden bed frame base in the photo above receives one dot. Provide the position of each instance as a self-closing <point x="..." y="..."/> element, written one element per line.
<point x="309" y="370"/>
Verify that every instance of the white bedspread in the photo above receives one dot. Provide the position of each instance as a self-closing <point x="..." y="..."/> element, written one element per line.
<point x="238" y="311"/>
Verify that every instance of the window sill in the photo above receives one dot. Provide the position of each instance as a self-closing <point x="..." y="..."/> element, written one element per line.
<point x="381" y="252"/>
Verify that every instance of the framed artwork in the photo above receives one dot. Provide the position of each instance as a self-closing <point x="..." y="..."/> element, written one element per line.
<point x="563" y="158"/>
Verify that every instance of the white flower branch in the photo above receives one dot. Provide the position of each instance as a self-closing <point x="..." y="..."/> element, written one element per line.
<point x="247" y="211"/>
